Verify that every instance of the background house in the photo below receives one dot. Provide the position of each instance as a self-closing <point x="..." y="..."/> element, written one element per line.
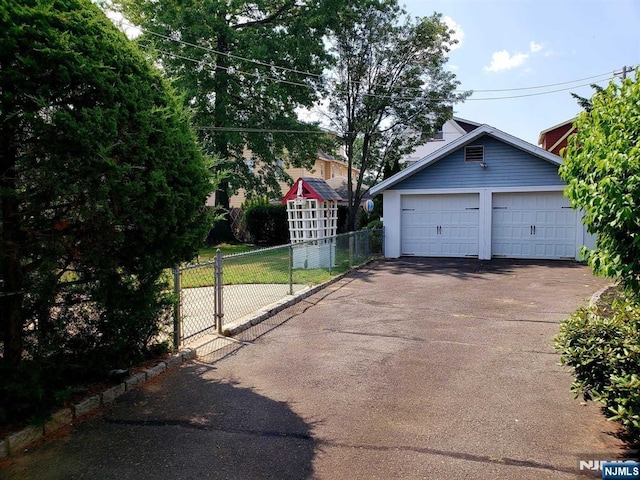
<point x="554" y="139"/>
<point x="452" y="129"/>
<point x="485" y="194"/>
<point x="326" y="167"/>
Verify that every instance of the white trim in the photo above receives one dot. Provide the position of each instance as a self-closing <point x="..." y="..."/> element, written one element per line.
<point x="564" y="137"/>
<point x="461" y="142"/>
<point x="392" y="200"/>
<point x="447" y="191"/>
<point x="566" y="122"/>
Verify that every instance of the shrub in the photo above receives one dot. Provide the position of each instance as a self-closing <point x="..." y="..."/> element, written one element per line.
<point x="604" y="353"/>
<point x="602" y="171"/>
<point x="267" y="224"/>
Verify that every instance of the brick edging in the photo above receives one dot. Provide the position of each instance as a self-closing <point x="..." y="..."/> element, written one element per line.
<point x="18" y="441"/>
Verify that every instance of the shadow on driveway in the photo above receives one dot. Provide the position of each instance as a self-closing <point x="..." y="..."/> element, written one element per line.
<point x="213" y="430"/>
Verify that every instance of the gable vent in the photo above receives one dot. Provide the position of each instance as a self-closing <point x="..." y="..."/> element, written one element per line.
<point x="474" y="153"/>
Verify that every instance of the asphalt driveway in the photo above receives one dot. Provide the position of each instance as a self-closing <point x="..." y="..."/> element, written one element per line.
<point x="426" y="368"/>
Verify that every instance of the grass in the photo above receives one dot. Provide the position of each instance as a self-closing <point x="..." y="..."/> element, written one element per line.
<point x="270" y="266"/>
<point x="208" y="253"/>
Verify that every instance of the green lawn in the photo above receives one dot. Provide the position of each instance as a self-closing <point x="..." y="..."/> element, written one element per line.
<point x="264" y="266"/>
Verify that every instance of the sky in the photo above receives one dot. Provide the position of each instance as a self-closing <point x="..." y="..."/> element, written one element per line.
<point x="518" y="44"/>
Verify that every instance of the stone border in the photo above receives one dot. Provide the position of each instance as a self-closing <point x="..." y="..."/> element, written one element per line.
<point x="18" y="441"/>
<point x="596" y="296"/>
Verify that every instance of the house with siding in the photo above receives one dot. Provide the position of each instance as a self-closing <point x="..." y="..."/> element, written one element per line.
<point x="554" y="139"/>
<point x="326" y="167"/>
<point x="486" y="194"/>
<point x="451" y="130"/>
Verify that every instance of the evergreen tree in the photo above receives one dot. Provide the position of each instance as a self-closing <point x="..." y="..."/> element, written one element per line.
<point x="102" y="184"/>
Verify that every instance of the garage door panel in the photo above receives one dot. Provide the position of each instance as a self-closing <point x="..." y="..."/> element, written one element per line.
<point x="532" y="225"/>
<point x="440" y="225"/>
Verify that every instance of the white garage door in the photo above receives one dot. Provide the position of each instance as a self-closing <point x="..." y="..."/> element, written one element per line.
<point x="533" y="225"/>
<point x="440" y="225"/>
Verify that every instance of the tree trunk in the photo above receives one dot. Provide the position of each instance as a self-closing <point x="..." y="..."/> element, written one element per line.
<point x="222" y="231"/>
<point x="11" y="292"/>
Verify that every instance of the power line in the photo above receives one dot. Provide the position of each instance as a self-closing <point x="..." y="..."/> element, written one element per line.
<point x="608" y="74"/>
<point x="372" y="95"/>
<point x="292" y="70"/>
<point x="260" y="130"/>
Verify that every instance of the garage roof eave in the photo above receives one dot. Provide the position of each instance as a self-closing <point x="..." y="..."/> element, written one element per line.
<point x="461" y="142"/>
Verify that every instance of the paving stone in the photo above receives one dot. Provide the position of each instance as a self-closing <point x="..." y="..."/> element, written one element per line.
<point x="134" y="380"/>
<point x="109" y="396"/>
<point x="18" y="440"/>
<point x="155" y="371"/>
<point x="188" y="354"/>
<point x="58" y="419"/>
<point x="86" y="406"/>
<point x="173" y="360"/>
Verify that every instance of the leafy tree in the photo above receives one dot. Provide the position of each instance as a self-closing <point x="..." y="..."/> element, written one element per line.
<point x="585" y="103"/>
<point x="245" y="68"/>
<point x="102" y="187"/>
<point x="389" y="87"/>
<point x="602" y="171"/>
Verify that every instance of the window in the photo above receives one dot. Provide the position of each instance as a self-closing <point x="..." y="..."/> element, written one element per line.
<point x="333" y="171"/>
<point x="474" y="153"/>
<point x="439" y="134"/>
<point x="322" y="169"/>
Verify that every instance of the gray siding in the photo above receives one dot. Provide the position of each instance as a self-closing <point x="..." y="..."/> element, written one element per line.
<point x="507" y="167"/>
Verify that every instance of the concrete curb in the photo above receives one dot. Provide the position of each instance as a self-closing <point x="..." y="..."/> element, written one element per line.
<point x="596" y="296"/>
<point x="19" y="441"/>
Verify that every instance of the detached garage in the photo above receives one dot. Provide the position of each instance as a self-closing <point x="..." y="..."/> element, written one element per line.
<point x="485" y="195"/>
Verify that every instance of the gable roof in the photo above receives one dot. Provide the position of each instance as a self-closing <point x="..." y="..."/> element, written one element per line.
<point x="566" y="128"/>
<point x="467" y="125"/>
<point x="313" y="188"/>
<point x="555" y="127"/>
<point x="461" y="142"/>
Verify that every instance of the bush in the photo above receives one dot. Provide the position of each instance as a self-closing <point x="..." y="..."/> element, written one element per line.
<point x="267" y="224"/>
<point x="604" y="352"/>
<point x="102" y="189"/>
<point x="602" y="171"/>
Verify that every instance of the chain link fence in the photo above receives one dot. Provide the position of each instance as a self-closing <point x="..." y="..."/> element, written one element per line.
<point x="229" y="288"/>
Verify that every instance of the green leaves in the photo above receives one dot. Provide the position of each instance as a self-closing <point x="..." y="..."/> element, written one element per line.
<point x="102" y="186"/>
<point x="390" y="91"/>
<point x="603" y="350"/>
<point x="602" y="170"/>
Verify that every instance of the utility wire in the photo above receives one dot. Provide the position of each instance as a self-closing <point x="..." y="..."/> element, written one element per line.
<point x="292" y="70"/>
<point x="373" y="95"/>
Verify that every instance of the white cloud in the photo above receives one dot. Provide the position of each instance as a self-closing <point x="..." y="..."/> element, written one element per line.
<point x="503" y="60"/>
<point x="458" y="32"/>
<point x="535" y="47"/>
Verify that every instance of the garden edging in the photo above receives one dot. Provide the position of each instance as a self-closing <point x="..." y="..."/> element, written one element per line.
<point x="18" y="441"/>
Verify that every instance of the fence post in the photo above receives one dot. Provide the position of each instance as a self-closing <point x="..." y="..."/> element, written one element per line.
<point x="332" y="246"/>
<point x="177" y="311"/>
<point x="218" y="306"/>
<point x="350" y="249"/>
<point x="367" y="248"/>
<point x="291" y="269"/>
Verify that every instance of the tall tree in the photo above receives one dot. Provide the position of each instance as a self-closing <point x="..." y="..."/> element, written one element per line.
<point x="602" y="171"/>
<point x="389" y="89"/>
<point x="102" y="184"/>
<point x="245" y="68"/>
